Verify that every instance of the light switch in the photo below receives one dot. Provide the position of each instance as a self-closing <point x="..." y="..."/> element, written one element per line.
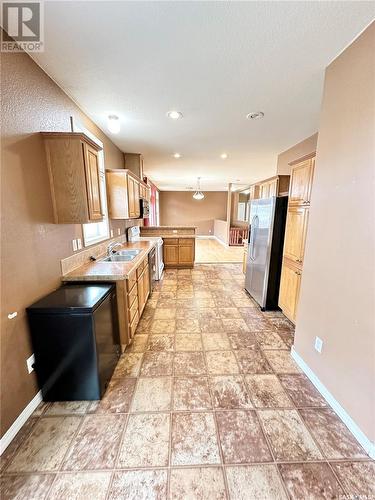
<point x="79" y="244"/>
<point x="318" y="344"/>
<point x="111" y="233"/>
<point x="74" y="245"/>
<point x="118" y="231"/>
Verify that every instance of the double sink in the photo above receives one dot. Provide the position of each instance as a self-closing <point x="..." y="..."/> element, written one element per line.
<point x="122" y="256"/>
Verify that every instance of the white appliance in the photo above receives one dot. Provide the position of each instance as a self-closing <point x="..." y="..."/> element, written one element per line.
<point x="134" y="235"/>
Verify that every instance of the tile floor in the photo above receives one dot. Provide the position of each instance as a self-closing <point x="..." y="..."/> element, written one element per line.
<point x="206" y="404"/>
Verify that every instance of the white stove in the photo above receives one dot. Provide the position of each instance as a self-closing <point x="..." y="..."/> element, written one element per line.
<point x="134" y="235"/>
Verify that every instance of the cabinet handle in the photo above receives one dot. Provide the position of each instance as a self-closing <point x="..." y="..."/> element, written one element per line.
<point x="297" y="273"/>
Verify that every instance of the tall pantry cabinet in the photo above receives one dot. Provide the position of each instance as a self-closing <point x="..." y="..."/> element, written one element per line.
<point x="295" y="234"/>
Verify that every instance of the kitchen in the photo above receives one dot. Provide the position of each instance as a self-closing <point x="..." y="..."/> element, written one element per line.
<point x="188" y="380"/>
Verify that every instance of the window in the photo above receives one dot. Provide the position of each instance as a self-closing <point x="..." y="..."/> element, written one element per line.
<point x="95" y="231"/>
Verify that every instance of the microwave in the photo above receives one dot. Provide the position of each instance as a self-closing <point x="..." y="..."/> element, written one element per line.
<point x="144" y="208"/>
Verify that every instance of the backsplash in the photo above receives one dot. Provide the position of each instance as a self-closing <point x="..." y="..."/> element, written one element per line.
<point x="78" y="259"/>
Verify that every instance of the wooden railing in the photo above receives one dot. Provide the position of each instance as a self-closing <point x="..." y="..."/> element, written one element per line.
<point x="237" y="235"/>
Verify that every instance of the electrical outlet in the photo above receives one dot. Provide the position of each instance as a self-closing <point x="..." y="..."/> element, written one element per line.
<point x="79" y="244"/>
<point x="30" y="363"/>
<point x="118" y="231"/>
<point x="111" y="233"/>
<point x="74" y="245"/>
<point x="174" y="230"/>
<point x="318" y="344"/>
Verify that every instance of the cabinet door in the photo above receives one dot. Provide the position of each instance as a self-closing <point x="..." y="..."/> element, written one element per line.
<point x="146" y="284"/>
<point x="289" y="290"/>
<point x="93" y="182"/>
<point x="295" y="233"/>
<point x="300" y="182"/>
<point x="170" y="254"/>
<point x="137" y="208"/>
<point x="273" y="188"/>
<point x="141" y="293"/>
<point x="186" y="255"/>
<point x="131" y="197"/>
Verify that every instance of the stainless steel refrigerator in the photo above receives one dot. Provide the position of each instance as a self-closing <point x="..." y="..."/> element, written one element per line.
<point x="265" y="252"/>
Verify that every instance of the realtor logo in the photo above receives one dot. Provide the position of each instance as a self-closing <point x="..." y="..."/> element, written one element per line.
<point x="22" y="24"/>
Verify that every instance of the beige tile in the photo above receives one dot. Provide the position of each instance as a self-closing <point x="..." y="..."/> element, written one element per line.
<point x="211" y="325"/>
<point x="68" y="408"/>
<point x="165" y="313"/>
<point x="200" y="483"/>
<point x="8" y="454"/>
<point x="44" y="449"/>
<point x="194" y="439"/>
<point x="302" y="391"/>
<point x="253" y="482"/>
<point x="191" y="394"/>
<point x="242" y="340"/>
<point x="311" y="481"/>
<point x="267" y="392"/>
<point x="157" y="364"/>
<point x="117" y="397"/>
<point x="183" y="313"/>
<point x="139" y="343"/>
<point x="189" y="363"/>
<point x="188" y="342"/>
<point x="80" y="486"/>
<point x="96" y="444"/>
<point x="268" y="339"/>
<point x="160" y="342"/>
<point x="146" y="441"/>
<point x="229" y="313"/>
<point x="282" y="362"/>
<point x="152" y="394"/>
<point x="229" y="392"/>
<point x="139" y="484"/>
<point x="144" y="325"/>
<point x="221" y="363"/>
<point x="163" y="326"/>
<point x="25" y="486"/>
<point x="357" y="478"/>
<point x="332" y="435"/>
<point x="187" y="326"/>
<point x="288" y="436"/>
<point x="252" y="361"/>
<point x="129" y="365"/>
<point x="241" y="437"/>
<point x="215" y="341"/>
<point x="235" y="325"/>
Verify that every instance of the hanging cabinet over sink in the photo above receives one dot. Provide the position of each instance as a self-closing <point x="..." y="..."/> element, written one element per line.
<point x="73" y="169"/>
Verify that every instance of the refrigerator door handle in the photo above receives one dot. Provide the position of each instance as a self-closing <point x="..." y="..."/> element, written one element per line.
<point x="254" y="223"/>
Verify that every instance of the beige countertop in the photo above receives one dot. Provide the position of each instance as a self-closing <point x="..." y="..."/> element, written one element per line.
<point x="110" y="271"/>
<point x="184" y="236"/>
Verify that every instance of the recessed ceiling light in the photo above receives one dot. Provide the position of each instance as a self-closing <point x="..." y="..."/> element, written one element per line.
<point x="255" y="115"/>
<point x="177" y="155"/>
<point x="113" y="124"/>
<point x="175" y="115"/>
<point x="223" y="156"/>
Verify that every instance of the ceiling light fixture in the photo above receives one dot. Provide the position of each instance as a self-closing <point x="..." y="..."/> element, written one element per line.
<point x="255" y="115"/>
<point x="113" y="124"/>
<point x="174" y="115"/>
<point x="177" y="155"/>
<point x="223" y="156"/>
<point x="198" y="195"/>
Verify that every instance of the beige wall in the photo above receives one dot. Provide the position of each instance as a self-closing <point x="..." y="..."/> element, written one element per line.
<point x="301" y="149"/>
<point x="338" y="285"/>
<point x="180" y="208"/>
<point x="221" y="230"/>
<point x="32" y="245"/>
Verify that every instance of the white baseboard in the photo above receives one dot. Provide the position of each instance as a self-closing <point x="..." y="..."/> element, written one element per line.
<point x="360" y="436"/>
<point x="221" y="241"/>
<point x="19" y="422"/>
<point x="204" y="237"/>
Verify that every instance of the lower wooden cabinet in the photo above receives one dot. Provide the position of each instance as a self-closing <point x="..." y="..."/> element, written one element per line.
<point x="143" y="285"/>
<point x="290" y="284"/>
<point x="179" y="252"/>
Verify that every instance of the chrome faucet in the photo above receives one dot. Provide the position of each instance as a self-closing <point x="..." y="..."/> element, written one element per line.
<point x="111" y="247"/>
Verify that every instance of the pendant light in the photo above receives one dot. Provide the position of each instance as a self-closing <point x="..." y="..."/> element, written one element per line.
<point x="198" y="195"/>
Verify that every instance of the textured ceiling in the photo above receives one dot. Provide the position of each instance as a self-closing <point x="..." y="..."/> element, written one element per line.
<point x="213" y="61"/>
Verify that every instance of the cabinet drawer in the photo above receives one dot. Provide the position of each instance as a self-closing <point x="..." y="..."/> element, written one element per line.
<point x="140" y="268"/>
<point x="131" y="281"/>
<point x="132" y="296"/>
<point x="186" y="241"/>
<point x="133" y="324"/>
<point x="133" y="311"/>
<point x="171" y="241"/>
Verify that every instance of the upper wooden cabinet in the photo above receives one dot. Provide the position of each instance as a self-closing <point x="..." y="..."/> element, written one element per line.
<point x="301" y="182"/>
<point x="295" y="233"/>
<point x="122" y="194"/>
<point x="134" y="163"/>
<point x="144" y="191"/>
<point x="73" y="169"/>
<point x="275" y="186"/>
